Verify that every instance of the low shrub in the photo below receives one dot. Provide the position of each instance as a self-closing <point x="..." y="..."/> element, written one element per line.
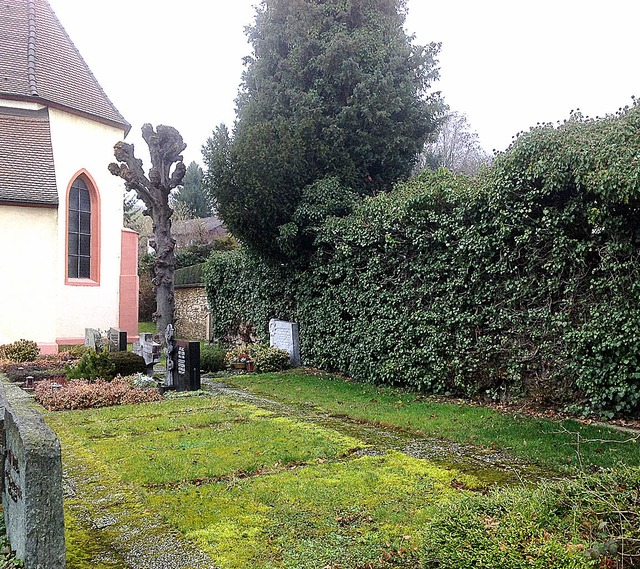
<point x="84" y="394"/>
<point x="74" y="352"/>
<point x="268" y="359"/>
<point x="92" y="366"/>
<point x="265" y="358"/>
<point x="212" y="357"/>
<point x="46" y="367"/>
<point x="144" y="381"/>
<point x="20" y="351"/>
<point x="127" y="363"/>
<point x="59" y="359"/>
<point x="484" y="530"/>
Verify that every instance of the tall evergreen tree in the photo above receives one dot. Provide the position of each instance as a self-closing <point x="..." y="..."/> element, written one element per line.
<point x="192" y="194"/>
<point x="333" y="89"/>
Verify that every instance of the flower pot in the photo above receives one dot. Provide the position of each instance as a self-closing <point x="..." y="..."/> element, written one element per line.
<point x="239" y="365"/>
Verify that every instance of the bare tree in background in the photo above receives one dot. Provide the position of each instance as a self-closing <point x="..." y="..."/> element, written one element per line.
<point x="165" y="148"/>
<point x="456" y="148"/>
<point x="133" y="213"/>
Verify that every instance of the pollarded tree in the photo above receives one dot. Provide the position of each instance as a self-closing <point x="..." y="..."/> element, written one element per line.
<point x="333" y="89"/>
<point x="165" y="148"/>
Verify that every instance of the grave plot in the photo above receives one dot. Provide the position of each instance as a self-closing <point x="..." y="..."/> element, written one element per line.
<point x="246" y="482"/>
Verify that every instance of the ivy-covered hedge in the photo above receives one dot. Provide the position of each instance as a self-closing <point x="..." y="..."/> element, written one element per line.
<point x="243" y="289"/>
<point x="523" y="281"/>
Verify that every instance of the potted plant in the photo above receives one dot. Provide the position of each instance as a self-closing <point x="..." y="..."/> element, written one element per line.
<point x="238" y="357"/>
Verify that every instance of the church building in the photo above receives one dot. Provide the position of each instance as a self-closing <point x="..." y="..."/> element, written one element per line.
<point x="66" y="263"/>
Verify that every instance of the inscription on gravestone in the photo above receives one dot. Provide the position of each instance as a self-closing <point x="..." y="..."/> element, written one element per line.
<point x="182" y="360"/>
<point x="12" y="476"/>
<point x="186" y="366"/>
<point x="117" y="340"/>
<point x="286" y="336"/>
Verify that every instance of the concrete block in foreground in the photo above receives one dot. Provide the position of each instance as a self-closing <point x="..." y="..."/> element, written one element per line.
<point x="32" y="497"/>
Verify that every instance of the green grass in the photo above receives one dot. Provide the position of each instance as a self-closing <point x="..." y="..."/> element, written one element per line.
<point x="549" y="443"/>
<point x="261" y="486"/>
<point x="194" y="441"/>
<point x="146" y="327"/>
<point x="352" y="508"/>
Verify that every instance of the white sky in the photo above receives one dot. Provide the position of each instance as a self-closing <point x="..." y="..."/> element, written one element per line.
<point x="506" y="64"/>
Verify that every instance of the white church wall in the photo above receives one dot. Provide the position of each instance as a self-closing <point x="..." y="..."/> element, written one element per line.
<point x="28" y="274"/>
<point x="84" y="145"/>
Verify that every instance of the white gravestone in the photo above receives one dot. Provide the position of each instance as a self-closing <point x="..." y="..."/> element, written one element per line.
<point x="286" y="336"/>
<point x="93" y="339"/>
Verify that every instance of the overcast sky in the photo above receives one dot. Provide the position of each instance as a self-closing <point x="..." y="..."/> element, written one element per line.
<point x="506" y="64"/>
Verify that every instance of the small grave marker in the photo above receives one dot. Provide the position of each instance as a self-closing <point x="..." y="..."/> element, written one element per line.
<point x="117" y="340"/>
<point x="149" y="349"/>
<point x="93" y="338"/>
<point x="286" y="336"/>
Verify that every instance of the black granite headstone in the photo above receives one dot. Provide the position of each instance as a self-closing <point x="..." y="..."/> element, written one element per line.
<point x="186" y="366"/>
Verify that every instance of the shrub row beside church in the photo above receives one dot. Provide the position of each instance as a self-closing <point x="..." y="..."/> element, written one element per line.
<point x="524" y="280"/>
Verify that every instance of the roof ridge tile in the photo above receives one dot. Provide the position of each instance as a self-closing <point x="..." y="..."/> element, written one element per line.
<point x="33" y="83"/>
<point x="40" y="63"/>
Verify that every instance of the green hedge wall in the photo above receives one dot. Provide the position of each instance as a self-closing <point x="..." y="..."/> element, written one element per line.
<point x="244" y="289"/>
<point x="191" y="275"/>
<point x="522" y="281"/>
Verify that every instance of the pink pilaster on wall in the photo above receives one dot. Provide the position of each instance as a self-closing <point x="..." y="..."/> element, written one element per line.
<point x="129" y="284"/>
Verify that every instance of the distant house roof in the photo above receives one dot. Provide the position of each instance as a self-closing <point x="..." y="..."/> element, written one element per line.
<point x="39" y="63"/>
<point x="186" y="232"/>
<point x="200" y="230"/>
<point x="27" y="174"/>
<point x="210" y="225"/>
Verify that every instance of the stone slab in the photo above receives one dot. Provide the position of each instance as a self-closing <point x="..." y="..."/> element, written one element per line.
<point x="32" y="496"/>
<point x="286" y="336"/>
<point x="186" y="368"/>
<point x="117" y="340"/>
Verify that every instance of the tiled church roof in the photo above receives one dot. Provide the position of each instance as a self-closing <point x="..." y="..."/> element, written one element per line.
<point x="26" y="158"/>
<point x="39" y="63"/>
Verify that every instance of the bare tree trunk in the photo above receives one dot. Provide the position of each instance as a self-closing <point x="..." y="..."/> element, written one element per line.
<point x="165" y="266"/>
<point x="165" y="148"/>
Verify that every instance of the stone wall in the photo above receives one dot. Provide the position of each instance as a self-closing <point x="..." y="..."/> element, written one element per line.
<point x="32" y="498"/>
<point x="192" y="312"/>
